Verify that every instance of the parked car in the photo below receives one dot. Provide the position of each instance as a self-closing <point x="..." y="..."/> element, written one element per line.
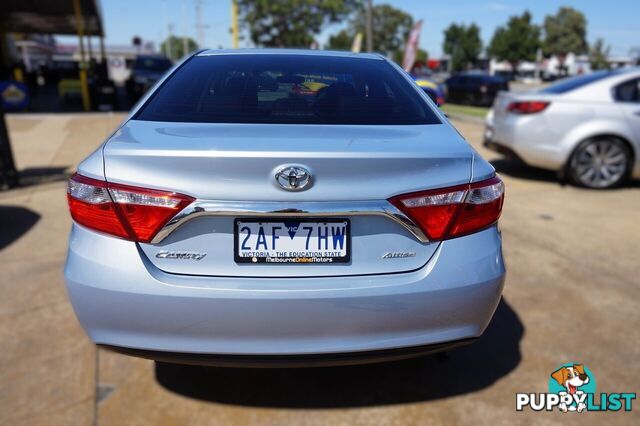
<point x="586" y="127"/>
<point x="432" y="89"/>
<point x="145" y="72"/>
<point x="231" y="220"/>
<point x="474" y="88"/>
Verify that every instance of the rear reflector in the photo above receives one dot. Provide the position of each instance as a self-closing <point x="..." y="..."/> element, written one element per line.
<point x="527" y="107"/>
<point x="128" y="212"/>
<point x="452" y="212"/>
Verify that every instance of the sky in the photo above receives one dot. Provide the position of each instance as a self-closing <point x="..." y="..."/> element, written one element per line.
<point x="618" y="21"/>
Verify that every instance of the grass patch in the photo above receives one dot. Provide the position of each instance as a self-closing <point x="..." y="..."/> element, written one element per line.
<point x="473" y="111"/>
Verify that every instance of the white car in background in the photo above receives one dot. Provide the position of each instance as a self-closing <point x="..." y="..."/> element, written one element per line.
<point x="586" y="127"/>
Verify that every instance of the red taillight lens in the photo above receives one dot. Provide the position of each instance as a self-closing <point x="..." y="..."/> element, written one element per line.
<point x="527" y="107"/>
<point x="91" y="206"/>
<point x="124" y="211"/>
<point x="452" y="212"/>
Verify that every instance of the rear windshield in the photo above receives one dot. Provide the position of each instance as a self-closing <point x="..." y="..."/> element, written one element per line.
<point x="281" y="88"/>
<point x="572" y="83"/>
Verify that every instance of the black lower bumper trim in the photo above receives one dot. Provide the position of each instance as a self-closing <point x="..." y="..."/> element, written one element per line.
<point x="278" y="361"/>
<point x="501" y="149"/>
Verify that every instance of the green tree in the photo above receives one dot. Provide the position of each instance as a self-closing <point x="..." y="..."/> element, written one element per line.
<point x="599" y="54"/>
<point x="173" y="47"/>
<point x="518" y="41"/>
<point x="290" y="23"/>
<point x="463" y="44"/>
<point x="390" y="27"/>
<point x="421" y="56"/>
<point x="343" y="40"/>
<point x="565" y="32"/>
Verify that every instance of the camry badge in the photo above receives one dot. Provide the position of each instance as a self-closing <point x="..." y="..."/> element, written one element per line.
<point x="399" y="254"/>
<point x="293" y="178"/>
<point x="181" y="255"/>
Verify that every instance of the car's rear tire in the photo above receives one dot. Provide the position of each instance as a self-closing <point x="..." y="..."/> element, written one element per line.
<point x="600" y="163"/>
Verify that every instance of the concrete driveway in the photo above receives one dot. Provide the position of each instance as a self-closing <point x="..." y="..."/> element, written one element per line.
<point x="572" y="292"/>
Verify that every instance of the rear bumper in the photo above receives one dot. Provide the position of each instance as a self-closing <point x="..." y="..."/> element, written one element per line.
<point x="122" y="300"/>
<point x="291" y="361"/>
<point x="527" y="138"/>
<point x="500" y="149"/>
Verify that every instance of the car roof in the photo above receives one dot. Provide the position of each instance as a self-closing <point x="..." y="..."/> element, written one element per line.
<point x="306" y="52"/>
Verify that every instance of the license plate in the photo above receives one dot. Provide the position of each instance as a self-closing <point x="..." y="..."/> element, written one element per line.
<point x="282" y="241"/>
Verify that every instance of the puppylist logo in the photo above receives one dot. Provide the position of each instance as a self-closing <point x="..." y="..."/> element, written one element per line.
<point x="572" y="388"/>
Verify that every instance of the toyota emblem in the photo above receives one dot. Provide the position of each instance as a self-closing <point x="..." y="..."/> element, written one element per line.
<point x="293" y="178"/>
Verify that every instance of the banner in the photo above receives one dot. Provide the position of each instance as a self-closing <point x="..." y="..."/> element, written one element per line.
<point x="411" y="49"/>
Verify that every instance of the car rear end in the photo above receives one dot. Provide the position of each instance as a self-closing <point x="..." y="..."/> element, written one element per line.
<point x="432" y="89"/>
<point x="233" y="219"/>
<point x="543" y="128"/>
<point x="518" y="125"/>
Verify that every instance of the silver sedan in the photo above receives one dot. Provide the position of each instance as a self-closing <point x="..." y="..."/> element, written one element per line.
<point x="262" y="206"/>
<point x="585" y="127"/>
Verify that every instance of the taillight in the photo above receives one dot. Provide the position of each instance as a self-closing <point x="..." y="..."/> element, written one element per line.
<point x="527" y="107"/>
<point x="455" y="211"/>
<point x="128" y="212"/>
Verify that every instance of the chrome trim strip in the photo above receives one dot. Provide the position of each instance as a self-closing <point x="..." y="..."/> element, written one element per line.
<point x="315" y="209"/>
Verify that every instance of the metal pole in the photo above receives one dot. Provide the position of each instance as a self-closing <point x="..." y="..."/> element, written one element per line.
<point x="164" y="45"/>
<point x="185" y="44"/>
<point x="89" y="49"/>
<point x="538" y="61"/>
<point x="369" y="27"/>
<point x="170" y="43"/>
<point x="8" y="173"/>
<point x="84" y="84"/>
<point x="167" y="44"/>
<point x="234" y="23"/>
<point x="103" y="54"/>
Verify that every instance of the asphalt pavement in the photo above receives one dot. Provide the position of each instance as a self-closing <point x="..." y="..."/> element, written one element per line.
<point x="571" y="294"/>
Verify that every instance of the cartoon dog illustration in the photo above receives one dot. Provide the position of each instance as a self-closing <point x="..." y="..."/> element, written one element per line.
<point x="571" y="378"/>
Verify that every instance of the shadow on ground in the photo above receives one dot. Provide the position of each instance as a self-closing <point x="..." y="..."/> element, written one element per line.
<point x="39" y="175"/>
<point x="15" y="222"/>
<point x="419" y="379"/>
<point x="518" y="169"/>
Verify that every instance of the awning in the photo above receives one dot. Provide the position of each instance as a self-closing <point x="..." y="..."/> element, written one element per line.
<point x="50" y="17"/>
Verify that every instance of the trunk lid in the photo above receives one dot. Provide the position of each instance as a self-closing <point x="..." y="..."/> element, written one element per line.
<point x="238" y="162"/>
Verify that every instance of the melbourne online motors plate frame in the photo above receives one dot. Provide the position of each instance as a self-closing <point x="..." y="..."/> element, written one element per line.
<point x="282" y="260"/>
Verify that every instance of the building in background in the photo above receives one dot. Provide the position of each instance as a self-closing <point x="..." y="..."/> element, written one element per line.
<point x="119" y="58"/>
